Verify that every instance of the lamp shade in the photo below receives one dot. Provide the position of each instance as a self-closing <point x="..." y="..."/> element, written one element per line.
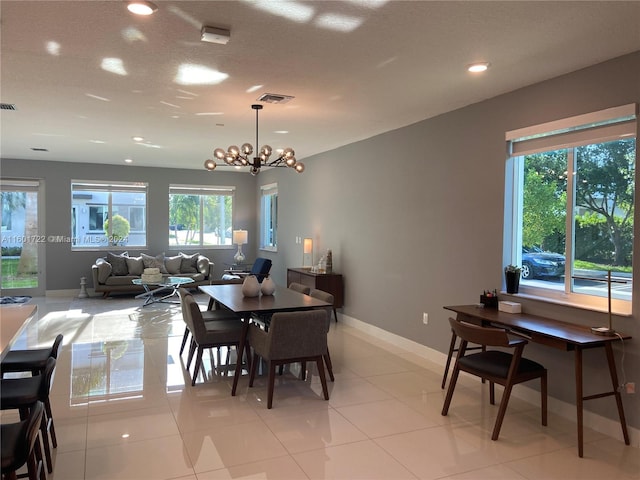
<point x="307" y="246"/>
<point x="240" y="237"/>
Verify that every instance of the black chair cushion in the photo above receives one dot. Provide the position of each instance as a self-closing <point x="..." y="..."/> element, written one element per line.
<point x="25" y="360"/>
<point x="15" y="448"/>
<point x="496" y="363"/>
<point x="19" y="392"/>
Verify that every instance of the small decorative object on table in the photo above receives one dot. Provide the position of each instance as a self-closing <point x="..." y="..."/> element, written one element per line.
<point x="151" y="275"/>
<point x="329" y="262"/>
<point x="250" y="286"/>
<point x="512" y="278"/>
<point x="268" y="286"/>
<point x="489" y="299"/>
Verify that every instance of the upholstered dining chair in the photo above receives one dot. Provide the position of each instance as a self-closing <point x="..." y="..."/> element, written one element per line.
<point x="31" y="360"/>
<point x="21" y="445"/>
<point x="325" y="297"/>
<point x="504" y="368"/>
<point x="298" y="287"/>
<point x="23" y="393"/>
<point x="206" y="335"/>
<point x="299" y="336"/>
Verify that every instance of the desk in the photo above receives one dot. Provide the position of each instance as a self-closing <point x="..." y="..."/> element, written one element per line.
<point x="282" y="300"/>
<point x="13" y="320"/>
<point x="555" y="334"/>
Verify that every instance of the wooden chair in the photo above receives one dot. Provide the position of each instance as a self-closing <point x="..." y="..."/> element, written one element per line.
<point x="21" y="445"/>
<point x="222" y="333"/>
<point x="298" y="287"/>
<point x="507" y="369"/>
<point x="32" y="360"/>
<point x="299" y="336"/>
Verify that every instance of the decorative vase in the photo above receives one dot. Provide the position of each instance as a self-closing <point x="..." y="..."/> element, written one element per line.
<point x="268" y="286"/>
<point x="250" y="286"/>
<point x="513" y="281"/>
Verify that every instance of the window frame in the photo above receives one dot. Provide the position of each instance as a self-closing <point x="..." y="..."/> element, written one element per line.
<point x="109" y="188"/>
<point x="566" y="134"/>
<point x="269" y="217"/>
<point x="202" y="191"/>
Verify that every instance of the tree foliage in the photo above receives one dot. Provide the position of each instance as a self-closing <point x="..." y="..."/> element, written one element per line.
<point x="119" y="230"/>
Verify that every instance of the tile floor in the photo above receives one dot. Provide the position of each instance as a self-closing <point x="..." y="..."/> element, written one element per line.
<point x="122" y="411"/>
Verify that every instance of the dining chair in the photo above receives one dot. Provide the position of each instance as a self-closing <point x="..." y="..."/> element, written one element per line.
<point x="298" y="287"/>
<point x="21" y="445"/>
<point x="504" y="368"/>
<point x="31" y="360"/>
<point x="325" y="297"/>
<point x="299" y="336"/>
<point x="206" y="335"/>
<point x="207" y="316"/>
<point x="22" y="394"/>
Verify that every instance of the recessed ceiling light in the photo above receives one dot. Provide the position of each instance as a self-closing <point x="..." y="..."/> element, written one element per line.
<point x="128" y="160"/>
<point x="478" y="67"/>
<point x="137" y="139"/>
<point x="141" y="7"/>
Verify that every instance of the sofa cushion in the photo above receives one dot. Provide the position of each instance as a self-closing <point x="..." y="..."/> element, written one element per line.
<point x="154" y="262"/>
<point x="189" y="263"/>
<point x="172" y="264"/>
<point x="118" y="263"/>
<point x="121" y="280"/>
<point x="104" y="270"/>
<point x="135" y="265"/>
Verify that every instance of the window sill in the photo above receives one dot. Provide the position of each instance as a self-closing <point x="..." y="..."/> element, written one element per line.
<point x="618" y="307"/>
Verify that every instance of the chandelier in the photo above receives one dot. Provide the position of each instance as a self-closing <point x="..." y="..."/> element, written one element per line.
<point x="240" y="157"/>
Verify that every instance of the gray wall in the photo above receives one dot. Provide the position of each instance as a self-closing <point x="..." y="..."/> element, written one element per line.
<point x="414" y="217"/>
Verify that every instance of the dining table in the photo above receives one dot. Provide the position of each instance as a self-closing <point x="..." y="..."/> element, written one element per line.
<point x="283" y="299"/>
<point x="13" y="320"/>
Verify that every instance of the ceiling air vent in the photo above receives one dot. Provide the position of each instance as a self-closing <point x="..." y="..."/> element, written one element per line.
<point x="7" y="106"/>
<point x="38" y="149"/>
<point x="274" y="98"/>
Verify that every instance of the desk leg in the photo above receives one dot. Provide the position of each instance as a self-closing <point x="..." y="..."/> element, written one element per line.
<point x="616" y="392"/>
<point x="579" y="400"/>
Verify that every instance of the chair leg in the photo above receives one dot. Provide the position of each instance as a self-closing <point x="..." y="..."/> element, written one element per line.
<point x="45" y="443"/>
<point x="323" y="378"/>
<point x="492" y="393"/>
<point x="452" y="386"/>
<point x="50" y="426"/>
<point x="253" y="368"/>
<point x="192" y="349"/>
<point x="37" y="450"/>
<point x="184" y="339"/>
<point x="543" y="399"/>
<point x="196" y="368"/>
<point x="327" y="361"/>
<point x="501" y="411"/>
<point x="452" y="346"/>
<point x="272" y="381"/>
<point x="303" y="370"/>
<point x="10" y="475"/>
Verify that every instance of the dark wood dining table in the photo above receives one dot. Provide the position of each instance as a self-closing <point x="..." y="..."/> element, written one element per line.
<point x="283" y="300"/>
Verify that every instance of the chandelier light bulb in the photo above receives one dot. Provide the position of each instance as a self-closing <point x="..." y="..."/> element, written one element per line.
<point x="219" y="153"/>
<point x="234" y="150"/>
<point x="299" y="167"/>
<point x="290" y="161"/>
<point x="210" y="165"/>
<point x="247" y="149"/>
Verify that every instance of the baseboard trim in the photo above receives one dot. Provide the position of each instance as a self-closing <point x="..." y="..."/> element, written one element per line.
<point x="566" y="410"/>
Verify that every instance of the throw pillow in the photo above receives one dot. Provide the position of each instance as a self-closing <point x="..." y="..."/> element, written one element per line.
<point x="154" y="262"/>
<point x="118" y="263"/>
<point x="203" y="265"/>
<point x="135" y="265"/>
<point x="104" y="270"/>
<point x="172" y="264"/>
<point x="188" y="264"/>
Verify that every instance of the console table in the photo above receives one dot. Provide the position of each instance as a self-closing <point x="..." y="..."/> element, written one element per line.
<point x="327" y="282"/>
<point x="554" y="334"/>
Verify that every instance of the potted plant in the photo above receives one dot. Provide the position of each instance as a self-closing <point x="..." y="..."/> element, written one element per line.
<point x="512" y="277"/>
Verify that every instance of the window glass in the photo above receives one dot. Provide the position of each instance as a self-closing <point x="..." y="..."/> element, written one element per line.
<point x="107" y="215"/>
<point x="269" y="217"/>
<point x="200" y="216"/>
<point x="571" y="218"/>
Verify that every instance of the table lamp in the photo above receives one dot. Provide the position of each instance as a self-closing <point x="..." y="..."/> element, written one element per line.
<point x="307" y="250"/>
<point x="240" y="238"/>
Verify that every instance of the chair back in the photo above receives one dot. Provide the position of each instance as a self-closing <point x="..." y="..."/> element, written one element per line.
<point x="47" y="379"/>
<point x="297" y="334"/>
<point x="298" y="287"/>
<point x="194" y="319"/>
<point x="493" y="337"/>
<point x="24" y="440"/>
<point x="325" y="297"/>
<point x="56" y="346"/>
<point x="261" y="268"/>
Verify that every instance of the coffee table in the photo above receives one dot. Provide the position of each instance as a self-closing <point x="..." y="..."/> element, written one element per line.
<point x="161" y="292"/>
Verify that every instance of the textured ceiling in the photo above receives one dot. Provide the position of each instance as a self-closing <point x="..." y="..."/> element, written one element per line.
<point x="87" y="76"/>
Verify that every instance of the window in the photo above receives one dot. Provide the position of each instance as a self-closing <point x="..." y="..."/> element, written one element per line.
<point x="94" y="203"/>
<point x="569" y="213"/>
<point x="269" y="217"/>
<point x="200" y="215"/>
